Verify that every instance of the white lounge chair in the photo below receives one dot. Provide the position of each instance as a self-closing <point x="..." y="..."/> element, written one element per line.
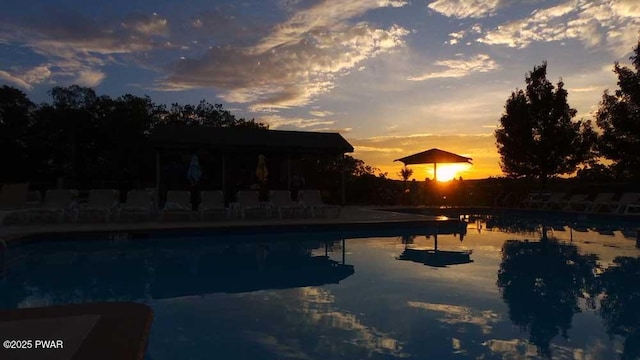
<point x="600" y="200"/>
<point x="575" y="202"/>
<point x="213" y="201"/>
<point x="620" y="205"/>
<point x="56" y="203"/>
<point x="139" y="202"/>
<point x="102" y="202"/>
<point x="281" y="200"/>
<point x="13" y="201"/>
<point x="178" y="202"/>
<point x="312" y="200"/>
<point x="632" y="209"/>
<point x="250" y="200"/>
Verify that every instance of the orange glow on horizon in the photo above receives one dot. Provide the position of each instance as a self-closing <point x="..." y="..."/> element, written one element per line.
<point x="446" y="172"/>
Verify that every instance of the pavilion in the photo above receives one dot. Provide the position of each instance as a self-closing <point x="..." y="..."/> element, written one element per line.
<point x="235" y="147"/>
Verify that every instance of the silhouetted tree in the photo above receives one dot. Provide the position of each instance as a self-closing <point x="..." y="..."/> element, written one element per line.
<point x="541" y="282"/>
<point x="619" y="118"/>
<point x="15" y="119"/>
<point x="204" y="114"/>
<point x="537" y="137"/>
<point x="405" y="173"/>
<point x="620" y="305"/>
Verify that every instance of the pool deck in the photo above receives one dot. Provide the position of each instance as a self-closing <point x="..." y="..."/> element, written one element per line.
<point x="77" y="331"/>
<point x="351" y="217"/>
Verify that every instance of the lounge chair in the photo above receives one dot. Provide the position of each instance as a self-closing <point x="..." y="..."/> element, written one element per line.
<point x="575" y="202"/>
<point x="535" y="200"/>
<point x="178" y="202"/>
<point x="56" y="203"/>
<point x="281" y="200"/>
<point x="34" y="199"/>
<point x="620" y="205"/>
<point x="633" y="208"/>
<point x="13" y="201"/>
<point x="250" y="200"/>
<point x="139" y="202"/>
<point x="600" y="200"/>
<point x="312" y="200"/>
<point x="102" y="202"/>
<point x="213" y="201"/>
<point x="555" y="200"/>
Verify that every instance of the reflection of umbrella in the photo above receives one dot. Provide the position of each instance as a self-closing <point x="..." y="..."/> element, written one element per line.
<point x="435" y="257"/>
<point x="434" y="156"/>
<point x="194" y="172"/>
<point x="261" y="170"/>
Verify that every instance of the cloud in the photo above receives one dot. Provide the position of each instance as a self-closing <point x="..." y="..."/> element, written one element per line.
<point x="465" y="8"/>
<point x="15" y="80"/>
<point x="147" y="24"/>
<point x="326" y="15"/>
<point x="362" y="149"/>
<point x="319" y="113"/>
<point x="457" y="68"/>
<point x="76" y="48"/>
<point x="277" y="122"/>
<point x="454" y="315"/>
<point x="28" y="78"/>
<point x="592" y="22"/>
<point x="89" y="78"/>
<point x="297" y="61"/>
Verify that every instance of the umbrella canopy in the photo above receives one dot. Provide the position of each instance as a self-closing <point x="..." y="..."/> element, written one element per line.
<point x="435" y="157"/>
<point x="194" y="173"/>
<point x="261" y="169"/>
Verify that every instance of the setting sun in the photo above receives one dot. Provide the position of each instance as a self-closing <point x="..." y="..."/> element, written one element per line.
<point x="447" y="172"/>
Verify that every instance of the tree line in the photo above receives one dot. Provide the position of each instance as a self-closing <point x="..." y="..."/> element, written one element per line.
<point x="538" y="139"/>
<point x="81" y="136"/>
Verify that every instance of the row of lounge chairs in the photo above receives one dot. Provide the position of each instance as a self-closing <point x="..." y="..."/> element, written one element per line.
<point x="61" y="204"/>
<point x="627" y="203"/>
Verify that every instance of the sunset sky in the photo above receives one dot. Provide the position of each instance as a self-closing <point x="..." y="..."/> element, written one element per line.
<point x="394" y="77"/>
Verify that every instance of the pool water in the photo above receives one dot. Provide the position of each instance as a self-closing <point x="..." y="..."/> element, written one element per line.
<point x="494" y="293"/>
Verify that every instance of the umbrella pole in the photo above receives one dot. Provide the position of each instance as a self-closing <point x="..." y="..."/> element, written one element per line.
<point x="435" y="171"/>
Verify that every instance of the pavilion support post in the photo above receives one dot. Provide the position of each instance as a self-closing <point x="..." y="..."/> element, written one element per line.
<point x="289" y="172"/>
<point x="222" y="174"/>
<point x="342" y="181"/>
<point x="343" y="252"/>
<point x="157" y="177"/>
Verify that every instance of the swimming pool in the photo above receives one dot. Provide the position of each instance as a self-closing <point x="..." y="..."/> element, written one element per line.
<point x="495" y="292"/>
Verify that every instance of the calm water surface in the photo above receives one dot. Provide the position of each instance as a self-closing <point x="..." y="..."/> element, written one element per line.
<point x="500" y="292"/>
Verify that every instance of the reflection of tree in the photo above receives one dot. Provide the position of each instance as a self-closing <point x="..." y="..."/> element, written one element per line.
<point x="620" y="306"/>
<point x="541" y="283"/>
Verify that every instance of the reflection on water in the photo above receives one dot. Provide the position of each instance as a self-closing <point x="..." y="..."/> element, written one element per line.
<point x="541" y="283"/>
<point x="620" y="305"/>
<point x="120" y="272"/>
<point x="502" y="290"/>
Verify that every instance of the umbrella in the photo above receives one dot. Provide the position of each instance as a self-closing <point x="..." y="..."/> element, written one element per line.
<point x="261" y="169"/>
<point x="434" y="156"/>
<point x="194" y="172"/>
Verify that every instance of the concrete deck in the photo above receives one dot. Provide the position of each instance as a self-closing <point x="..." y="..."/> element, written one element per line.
<point x="79" y="331"/>
<point x="350" y="218"/>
